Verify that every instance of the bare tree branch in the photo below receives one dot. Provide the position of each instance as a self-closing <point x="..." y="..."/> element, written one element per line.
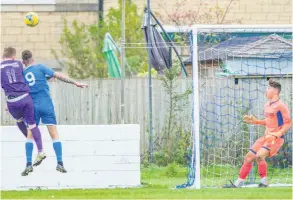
<point x="226" y="11"/>
<point x="204" y="12"/>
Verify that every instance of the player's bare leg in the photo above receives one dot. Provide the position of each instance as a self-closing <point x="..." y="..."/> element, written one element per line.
<point x="262" y="166"/>
<point x="57" y="147"/>
<point x="29" y="151"/>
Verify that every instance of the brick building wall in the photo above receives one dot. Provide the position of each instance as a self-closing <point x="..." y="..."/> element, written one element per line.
<point x="46" y="35"/>
<point x="251" y="11"/>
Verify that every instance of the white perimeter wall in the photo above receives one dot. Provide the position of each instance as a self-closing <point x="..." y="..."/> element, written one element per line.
<point x="96" y="156"/>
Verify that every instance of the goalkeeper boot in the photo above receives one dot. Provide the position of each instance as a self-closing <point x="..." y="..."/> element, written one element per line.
<point x="263" y="182"/>
<point x="27" y="170"/>
<point x="262" y="185"/>
<point x="39" y="159"/>
<point x="238" y="184"/>
<point x="61" y="168"/>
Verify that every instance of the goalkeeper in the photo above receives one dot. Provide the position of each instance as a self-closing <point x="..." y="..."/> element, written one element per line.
<point x="277" y="122"/>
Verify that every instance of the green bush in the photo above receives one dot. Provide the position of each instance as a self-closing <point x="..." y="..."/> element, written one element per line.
<point x="172" y="144"/>
<point x="172" y="170"/>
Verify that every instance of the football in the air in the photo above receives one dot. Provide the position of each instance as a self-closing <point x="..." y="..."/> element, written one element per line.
<point x="31" y="19"/>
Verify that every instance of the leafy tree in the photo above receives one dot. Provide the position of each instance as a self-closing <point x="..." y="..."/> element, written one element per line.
<point x="136" y="53"/>
<point x="79" y="52"/>
<point x="82" y="46"/>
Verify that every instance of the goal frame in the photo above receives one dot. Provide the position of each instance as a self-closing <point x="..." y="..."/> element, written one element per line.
<point x="195" y="29"/>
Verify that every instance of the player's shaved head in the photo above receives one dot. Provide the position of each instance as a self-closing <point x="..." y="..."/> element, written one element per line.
<point x="275" y="84"/>
<point x="9" y="52"/>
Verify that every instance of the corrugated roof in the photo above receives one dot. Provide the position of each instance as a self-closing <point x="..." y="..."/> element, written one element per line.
<point x="272" y="46"/>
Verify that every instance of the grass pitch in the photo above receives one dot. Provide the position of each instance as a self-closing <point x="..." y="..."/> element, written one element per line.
<point x="157" y="183"/>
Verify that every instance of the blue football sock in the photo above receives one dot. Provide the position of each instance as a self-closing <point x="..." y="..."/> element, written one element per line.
<point x="29" y="146"/>
<point x="57" y="145"/>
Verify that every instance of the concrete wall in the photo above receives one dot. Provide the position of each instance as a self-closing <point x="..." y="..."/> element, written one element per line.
<point x="94" y="156"/>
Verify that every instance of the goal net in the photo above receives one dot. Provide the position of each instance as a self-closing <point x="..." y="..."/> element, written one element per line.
<point x="231" y="69"/>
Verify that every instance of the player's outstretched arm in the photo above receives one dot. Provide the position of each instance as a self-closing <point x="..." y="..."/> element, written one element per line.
<point x="250" y="119"/>
<point x="66" y="79"/>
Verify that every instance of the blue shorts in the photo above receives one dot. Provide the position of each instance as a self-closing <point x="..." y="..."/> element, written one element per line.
<point x="44" y="110"/>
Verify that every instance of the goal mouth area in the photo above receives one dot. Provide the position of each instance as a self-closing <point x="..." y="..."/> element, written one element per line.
<point x="231" y="65"/>
<point x="270" y="185"/>
<point x="254" y="185"/>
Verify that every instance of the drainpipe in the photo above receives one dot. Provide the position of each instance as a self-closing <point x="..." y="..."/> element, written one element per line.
<point x="101" y="10"/>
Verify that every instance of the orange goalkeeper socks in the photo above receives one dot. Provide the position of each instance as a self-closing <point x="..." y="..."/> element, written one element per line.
<point x="244" y="171"/>
<point x="262" y="168"/>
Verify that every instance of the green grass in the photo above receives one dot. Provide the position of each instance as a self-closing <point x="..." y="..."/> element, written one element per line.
<point x="156" y="193"/>
<point x="157" y="182"/>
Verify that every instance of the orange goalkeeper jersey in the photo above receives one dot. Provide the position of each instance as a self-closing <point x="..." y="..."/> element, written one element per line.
<point x="277" y="116"/>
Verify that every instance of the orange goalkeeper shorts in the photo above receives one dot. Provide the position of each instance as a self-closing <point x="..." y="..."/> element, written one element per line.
<point x="273" y="148"/>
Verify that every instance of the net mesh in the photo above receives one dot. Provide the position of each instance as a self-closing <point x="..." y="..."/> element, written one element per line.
<point x="234" y="68"/>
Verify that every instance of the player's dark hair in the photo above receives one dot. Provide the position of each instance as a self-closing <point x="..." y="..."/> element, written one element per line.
<point x="275" y="84"/>
<point x="26" y="55"/>
<point x="9" y="52"/>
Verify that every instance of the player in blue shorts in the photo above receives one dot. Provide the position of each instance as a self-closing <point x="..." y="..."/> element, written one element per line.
<point x="36" y="76"/>
<point x="19" y="104"/>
